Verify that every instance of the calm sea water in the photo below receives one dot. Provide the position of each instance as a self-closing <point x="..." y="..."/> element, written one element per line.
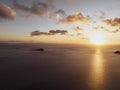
<point x="59" y="67"/>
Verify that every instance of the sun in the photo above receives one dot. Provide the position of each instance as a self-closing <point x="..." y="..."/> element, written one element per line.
<point x="98" y="39"/>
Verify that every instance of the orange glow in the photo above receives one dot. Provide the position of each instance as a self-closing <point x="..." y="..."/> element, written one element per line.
<point x="98" y="39"/>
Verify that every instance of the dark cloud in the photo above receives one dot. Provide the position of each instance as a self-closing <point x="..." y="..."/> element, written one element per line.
<point x="51" y="32"/>
<point x="6" y="12"/>
<point x="112" y="22"/>
<point x="78" y="29"/>
<point x="62" y="32"/>
<point x="75" y="18"/>
<point x="37" y="8"/>
<point x="61" y="12"/>
<point x="38" y="33"/>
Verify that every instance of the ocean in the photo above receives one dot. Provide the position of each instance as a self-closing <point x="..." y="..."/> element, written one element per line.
<point x="58" y="67"/>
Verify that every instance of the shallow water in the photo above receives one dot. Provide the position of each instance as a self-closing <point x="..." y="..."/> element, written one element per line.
<point x="59" y="67"/>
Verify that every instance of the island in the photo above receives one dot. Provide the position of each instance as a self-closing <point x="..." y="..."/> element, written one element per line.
<point x="117" y="52"/>
<point x="39" y="49"/>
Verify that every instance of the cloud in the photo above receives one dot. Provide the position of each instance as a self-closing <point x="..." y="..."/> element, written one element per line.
<point x="51" y="32"/>
<point x="37" y="8"/>
<point x="6" y="12"/>
<point x="62" y="32"/>
<point x="61" y="12"/>
<point x="75" y="18"/>
<point x="38" y="33"/>
<point x="78" y="28"/>
<point x="112" y="31"/>
<point x="112" y="22"/>
<point x="100" y="14"/>
<point x="84" y="38"/>
<point x="79" y="34"/>
<point x="98" y="28"/>
<point x="58" y="17"/>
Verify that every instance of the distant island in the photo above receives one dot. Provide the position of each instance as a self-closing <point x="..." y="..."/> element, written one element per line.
<point x="117" y="52"/>
<point x="39" y="49"/>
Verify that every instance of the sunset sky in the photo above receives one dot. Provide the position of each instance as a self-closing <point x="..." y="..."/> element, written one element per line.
<point x="60" y="21"/>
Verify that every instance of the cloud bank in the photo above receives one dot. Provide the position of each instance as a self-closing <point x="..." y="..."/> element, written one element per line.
<point x="37" y="8"/>
<point x="51" y="32"/>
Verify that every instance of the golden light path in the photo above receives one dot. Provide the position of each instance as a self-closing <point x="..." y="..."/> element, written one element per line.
<point x="97" y="81"/>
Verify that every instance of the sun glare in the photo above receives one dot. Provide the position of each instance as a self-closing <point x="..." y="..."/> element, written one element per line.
<point x="98" y="40"/>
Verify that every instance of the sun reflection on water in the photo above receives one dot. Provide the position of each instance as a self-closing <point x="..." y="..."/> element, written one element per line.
<point x="97" y="81"/>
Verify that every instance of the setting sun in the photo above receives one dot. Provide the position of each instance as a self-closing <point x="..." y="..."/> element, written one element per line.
<point x="98" y="40"/>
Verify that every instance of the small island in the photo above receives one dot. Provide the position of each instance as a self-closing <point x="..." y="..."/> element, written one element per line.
<point x="117" y="52"/>
<point x="39" y="49"/>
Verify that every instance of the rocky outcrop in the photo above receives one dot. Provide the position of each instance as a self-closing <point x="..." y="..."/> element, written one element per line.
<point x="117" y="52"/>
<point x="39" y="49"/>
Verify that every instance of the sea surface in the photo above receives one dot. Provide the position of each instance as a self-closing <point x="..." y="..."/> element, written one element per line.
<point x="58" y="67"/>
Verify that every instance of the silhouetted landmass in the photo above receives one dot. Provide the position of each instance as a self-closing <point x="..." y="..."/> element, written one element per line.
<point x="39" y="49"/>
<point x="117" y="52"/>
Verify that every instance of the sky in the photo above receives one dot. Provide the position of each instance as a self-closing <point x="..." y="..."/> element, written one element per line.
<point x="60" y="21"/>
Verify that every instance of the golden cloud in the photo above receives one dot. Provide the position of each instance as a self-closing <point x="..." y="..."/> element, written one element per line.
<point x="112" y="22"/>
<point x="75" y="18"/>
